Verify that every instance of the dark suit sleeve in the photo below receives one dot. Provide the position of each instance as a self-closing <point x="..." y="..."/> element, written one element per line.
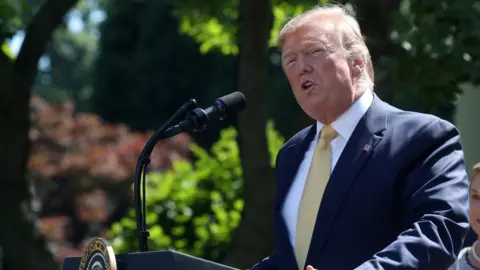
<point x="434" y="202"/>
<point x="270" y="263"/>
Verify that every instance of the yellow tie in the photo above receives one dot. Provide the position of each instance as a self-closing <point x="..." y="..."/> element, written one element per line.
<point x="317" y="180"/>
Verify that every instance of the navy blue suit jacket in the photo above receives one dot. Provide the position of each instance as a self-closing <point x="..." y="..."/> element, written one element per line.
<point x="402" y="204"/>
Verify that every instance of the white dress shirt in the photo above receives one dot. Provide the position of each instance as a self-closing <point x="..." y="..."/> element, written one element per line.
<point x="344" y="126"/>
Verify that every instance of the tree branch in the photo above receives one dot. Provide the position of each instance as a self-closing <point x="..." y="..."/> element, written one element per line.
<point x="4" y="58"/>
<point x="5" y="67"/>
<point x="39" y="32"/>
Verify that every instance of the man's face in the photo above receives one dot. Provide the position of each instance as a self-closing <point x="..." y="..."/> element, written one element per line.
<point x="475" y="204"/>
<point x="318" y="70"/>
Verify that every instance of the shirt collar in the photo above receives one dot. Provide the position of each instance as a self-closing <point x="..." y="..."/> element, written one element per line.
<point x="346" y="123"/>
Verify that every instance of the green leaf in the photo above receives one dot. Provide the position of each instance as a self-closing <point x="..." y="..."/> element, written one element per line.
<point x="178" y="230"/>
<point x="160" y="185"/>
<point x="202" y="233"/>
<point x="7" y="51"/>
<point x="128" y="223"/>
<point x="116" y="229"/>
<point x="238" y="205"/>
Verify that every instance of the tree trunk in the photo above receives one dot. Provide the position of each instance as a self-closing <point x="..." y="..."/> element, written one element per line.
<point x="376" y="20"/>
<point x="23" y="247"/>
<point x="253" y="239"/>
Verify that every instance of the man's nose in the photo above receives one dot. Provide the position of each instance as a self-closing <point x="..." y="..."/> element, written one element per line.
<point x="304" y="66"/>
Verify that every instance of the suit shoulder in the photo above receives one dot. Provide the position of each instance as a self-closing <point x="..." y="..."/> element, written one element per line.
<point x="418" y="122"/>
<point x="297" y="138"/>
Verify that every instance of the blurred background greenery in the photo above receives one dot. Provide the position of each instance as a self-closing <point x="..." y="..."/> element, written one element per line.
<point x="83" y="83"/>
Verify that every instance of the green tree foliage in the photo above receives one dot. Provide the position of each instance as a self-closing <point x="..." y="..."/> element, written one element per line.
<point x="439" y="42"/>
<point x="427" y="49"/>
<point x="194" y="208"/>
<point x="146" y="67"/>
<point x="213" y="24"/>
<point x="12" y="16"/>
<point x="67" y="74"/>
<point x="65" y="70"/>
<point x="146" y="70"/>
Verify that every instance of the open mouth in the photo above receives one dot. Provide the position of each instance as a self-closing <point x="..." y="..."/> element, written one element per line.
<point x="307" y="85"/>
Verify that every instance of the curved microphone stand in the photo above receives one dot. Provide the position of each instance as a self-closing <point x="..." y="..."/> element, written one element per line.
<point x="143" y="161"/>
<point x="197" y="119"/>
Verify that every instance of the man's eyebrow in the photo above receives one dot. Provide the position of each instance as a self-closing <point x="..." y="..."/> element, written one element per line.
<point x="309" y="43"/>
<point x="288" y="53"/>
<point x="316" y="41"/>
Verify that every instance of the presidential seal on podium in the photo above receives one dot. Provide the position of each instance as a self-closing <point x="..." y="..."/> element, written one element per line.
<point x="98" y="255"/>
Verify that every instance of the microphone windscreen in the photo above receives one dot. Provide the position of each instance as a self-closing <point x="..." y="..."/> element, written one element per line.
<point x="234" y="102"/>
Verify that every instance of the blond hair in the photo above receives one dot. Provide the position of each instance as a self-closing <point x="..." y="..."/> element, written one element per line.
<point x="351" y="37"/>
<point x="475" y="170"/>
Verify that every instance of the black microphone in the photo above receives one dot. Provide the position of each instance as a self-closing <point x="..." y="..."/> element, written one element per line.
<point x="199" y="119"/>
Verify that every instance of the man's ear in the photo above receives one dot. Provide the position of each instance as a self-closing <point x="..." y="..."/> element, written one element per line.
<point x="356" y="66"/>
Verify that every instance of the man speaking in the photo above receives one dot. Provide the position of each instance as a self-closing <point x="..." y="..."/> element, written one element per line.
<point x="368" y="186"/>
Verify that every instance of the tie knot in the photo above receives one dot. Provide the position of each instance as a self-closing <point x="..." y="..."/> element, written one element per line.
<point x="328" y="133"/>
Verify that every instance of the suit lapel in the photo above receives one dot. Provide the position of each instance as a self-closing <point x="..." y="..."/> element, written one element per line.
<point x="295" y="153"/>
<point x="366" y="136"/>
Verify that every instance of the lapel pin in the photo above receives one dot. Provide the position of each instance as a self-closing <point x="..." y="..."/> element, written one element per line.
<point x="366" y="148"/>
